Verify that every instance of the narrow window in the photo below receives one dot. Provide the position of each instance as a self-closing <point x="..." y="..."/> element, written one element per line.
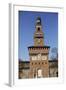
<point x="38" y="29"/>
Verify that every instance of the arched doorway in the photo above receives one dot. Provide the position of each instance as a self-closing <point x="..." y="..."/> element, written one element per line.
<point x="39" y="73"/>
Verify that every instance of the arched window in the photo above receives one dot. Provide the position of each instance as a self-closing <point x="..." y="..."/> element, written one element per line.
<point x="38" y="28"/>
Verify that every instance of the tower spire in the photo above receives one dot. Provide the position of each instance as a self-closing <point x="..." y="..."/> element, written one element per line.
<point x="38" y="21"/>
<point x="38" y="35"/>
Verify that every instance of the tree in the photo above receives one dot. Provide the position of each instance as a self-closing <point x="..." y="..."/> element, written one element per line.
<point x="54" y="53"/>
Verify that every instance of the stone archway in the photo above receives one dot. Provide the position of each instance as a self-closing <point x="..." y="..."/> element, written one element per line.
<point x="39" y="73"/>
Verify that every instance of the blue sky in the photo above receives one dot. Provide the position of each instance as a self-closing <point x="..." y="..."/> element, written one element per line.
<point x="27" y="20"/>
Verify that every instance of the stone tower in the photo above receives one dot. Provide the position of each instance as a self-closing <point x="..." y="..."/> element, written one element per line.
<point x="39" y="64"/>
<point x="38" y="36"/>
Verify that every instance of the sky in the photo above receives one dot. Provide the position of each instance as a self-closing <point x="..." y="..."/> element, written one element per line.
<point x="27" y="21"/>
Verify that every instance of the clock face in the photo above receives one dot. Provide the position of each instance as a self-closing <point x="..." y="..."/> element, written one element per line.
<point x="39" y="40"/>
<point x="44" y="57"/>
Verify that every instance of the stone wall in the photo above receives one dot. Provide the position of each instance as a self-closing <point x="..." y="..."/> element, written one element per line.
<point x="24" y="68"/>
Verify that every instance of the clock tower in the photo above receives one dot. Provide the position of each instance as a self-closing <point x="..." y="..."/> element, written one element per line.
<point x="38" y="36"/>
<point x="39" y="64"/>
